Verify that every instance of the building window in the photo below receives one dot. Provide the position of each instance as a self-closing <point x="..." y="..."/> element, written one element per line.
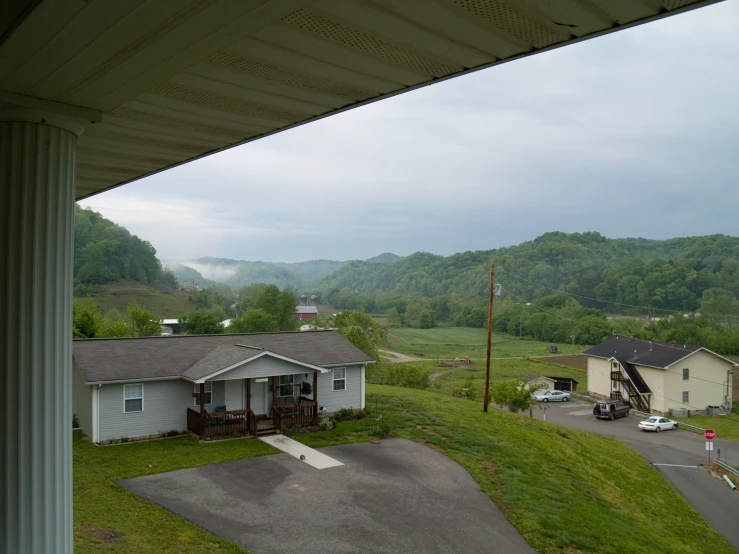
<point x="614" y="385"/>
<point x="133" y="398"/>
<point x="285" y="385"/>
<point x="614" y="365"/>
<point x="208" y="394"/>
<point x="686" y="373"/>
<point x="686" y="397"/>
<point x="339" y="376"/>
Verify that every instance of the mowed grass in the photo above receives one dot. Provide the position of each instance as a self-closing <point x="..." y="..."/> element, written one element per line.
<point x="726" y="427"/>
<point x="108" y="518"/>
<point x="564" y="490"/>
<point x="458" y="342"/>
<point x="501" y="370"/>
<point x="164" y="304"/>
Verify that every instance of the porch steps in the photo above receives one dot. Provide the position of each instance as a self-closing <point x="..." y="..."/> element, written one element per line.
<point x="266" y="431"/>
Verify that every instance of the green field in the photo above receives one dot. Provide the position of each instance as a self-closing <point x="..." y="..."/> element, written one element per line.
<point x="564" y="490"/>
<point x="458" y="342"/>
<point x="164" y="304"/>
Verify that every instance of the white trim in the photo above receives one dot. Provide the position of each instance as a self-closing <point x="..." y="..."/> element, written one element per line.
<point x="95" y="431"/>
<point x="246" y="361"/>
<point x="334" y="379"/>
<point x="136" y="398"/>
<point x="347" y="364"/>
<point x="133" y="381"/>
<point x="702" y="349"/>
<point x="361" y="387"/>
<point x="195" y="399"/>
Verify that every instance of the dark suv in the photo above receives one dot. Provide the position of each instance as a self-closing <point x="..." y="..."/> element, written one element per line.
<point x="610" y="409"/>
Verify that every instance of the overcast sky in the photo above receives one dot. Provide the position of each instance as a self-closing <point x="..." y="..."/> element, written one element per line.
<point x="632" y="134"/>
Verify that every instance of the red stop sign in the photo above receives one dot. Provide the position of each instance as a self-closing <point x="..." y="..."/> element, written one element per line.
<point x="709" y="434"/>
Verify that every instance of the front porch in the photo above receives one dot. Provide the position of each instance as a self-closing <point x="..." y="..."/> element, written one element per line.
<point x="249" y="409"/>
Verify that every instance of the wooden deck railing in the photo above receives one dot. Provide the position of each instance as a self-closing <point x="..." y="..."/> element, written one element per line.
<point x="302" y="414"/>
<point x="221" y="424"/>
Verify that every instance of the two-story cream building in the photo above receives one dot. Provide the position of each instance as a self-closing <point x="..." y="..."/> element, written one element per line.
<point x="660" y="377"/>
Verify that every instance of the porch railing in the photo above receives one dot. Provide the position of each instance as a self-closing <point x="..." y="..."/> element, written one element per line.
<point x="301" y="414"/>
<point x="221" y="424"/>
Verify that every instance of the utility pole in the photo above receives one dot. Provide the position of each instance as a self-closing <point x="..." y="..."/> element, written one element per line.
<point x="490" y="336"/>
<point x="572" y="336"/>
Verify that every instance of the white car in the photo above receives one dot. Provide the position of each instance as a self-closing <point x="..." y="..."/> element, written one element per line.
<point x="552" y="396"/>
<point x="657" y="424"/>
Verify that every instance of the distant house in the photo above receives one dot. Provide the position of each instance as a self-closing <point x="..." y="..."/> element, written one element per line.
<point x="171" y="327"/>
<point x="661" y="377"/>
<point x="552" y="383"/>
<point x="307" y="309"/>
<point x="247" y="383"/>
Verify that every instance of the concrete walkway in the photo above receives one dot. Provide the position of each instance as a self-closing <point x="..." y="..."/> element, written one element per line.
<point x="309" y="455"/>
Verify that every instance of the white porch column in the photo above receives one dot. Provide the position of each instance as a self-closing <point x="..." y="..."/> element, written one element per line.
<point x="37" y="153"/>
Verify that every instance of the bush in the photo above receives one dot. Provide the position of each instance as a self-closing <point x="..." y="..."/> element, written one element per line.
<point x="349" y="414"/>
<point x="325" y="424"/>
<point x="75" y="421"/>
<point x="407" y="375"/>
<point x="382" y="430"/>
<point x="174" y="433"/>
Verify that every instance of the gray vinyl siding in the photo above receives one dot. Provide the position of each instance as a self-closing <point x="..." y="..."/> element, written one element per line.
<point x="82" y="400"/>
<point x="266" y="366"/>
<point x="165" y="408"/>
<point x="351" y="397"/>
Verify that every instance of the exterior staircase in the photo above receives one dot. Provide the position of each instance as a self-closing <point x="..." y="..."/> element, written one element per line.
<point x="635" y="400"/>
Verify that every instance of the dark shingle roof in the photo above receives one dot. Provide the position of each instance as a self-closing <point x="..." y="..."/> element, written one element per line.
<point x="102" y="360"/>
<point x="641" y="352"/>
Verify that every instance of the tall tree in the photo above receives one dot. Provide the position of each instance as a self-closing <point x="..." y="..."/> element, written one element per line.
<point x="253" y="321"/>
<point x="201" y="322"/>
<point x="361" y="330"/>
<point x="143" y="322"/>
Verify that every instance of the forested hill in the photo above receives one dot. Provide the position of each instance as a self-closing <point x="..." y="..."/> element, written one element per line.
<point x="106" y="253"/>
<point x="669" y="274"/>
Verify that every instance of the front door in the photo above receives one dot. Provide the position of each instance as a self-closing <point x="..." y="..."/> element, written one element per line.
<point x="235" y="394"/>
<point x="259" y="397"/>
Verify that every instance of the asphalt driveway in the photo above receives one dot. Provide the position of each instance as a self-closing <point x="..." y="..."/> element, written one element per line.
<point x="397" y="496"/>
<point x="678" y="455"/>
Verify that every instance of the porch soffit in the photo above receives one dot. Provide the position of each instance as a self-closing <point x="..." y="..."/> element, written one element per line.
<point x="176" y="81"/>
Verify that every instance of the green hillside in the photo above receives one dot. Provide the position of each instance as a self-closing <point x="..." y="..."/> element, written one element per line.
<point x="162" y="303"/>
<point x="667" y="274"/>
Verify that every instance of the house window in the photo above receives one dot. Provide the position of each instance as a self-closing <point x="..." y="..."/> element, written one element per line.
<point x="133" y="398"/>
<point x="686" y="373"/>
<point x="614" y="365"/>
<point x="286" y="385"/>
<point x="614" y="385"/>
<point x="339" y="376"/>
<point x="686" y="397"/>
<point x="208" y="394"/>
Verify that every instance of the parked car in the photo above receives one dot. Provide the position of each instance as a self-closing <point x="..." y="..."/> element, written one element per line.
<point x="552" y="396"/>
<point x="657" y="424"/>
<point x="610" y="409"/>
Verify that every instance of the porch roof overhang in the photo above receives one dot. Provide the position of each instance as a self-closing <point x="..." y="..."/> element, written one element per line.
<point x="158" y="84"/>
<point x="212" y="376"/>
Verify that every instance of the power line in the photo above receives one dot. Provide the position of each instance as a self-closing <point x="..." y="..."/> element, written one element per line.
<point x="607" y="301"/>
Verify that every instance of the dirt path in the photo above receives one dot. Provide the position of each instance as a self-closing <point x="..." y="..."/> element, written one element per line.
<point x="398" y="358"/>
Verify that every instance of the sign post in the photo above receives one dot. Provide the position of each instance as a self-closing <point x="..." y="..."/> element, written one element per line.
<point x="710" y="435"/>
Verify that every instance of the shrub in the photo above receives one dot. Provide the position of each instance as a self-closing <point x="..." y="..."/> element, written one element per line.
<point x="75" y="421"/>
<point x="407" y="375"/>
<point x="325" y="423"/>
<point x="125" y="439"/>
<point x="174" y="433"/>
<point x="382" y="430"/>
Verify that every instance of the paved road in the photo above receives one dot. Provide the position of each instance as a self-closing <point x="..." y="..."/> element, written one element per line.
<point x="398" y="496"/>
<point x="711" y="497"/>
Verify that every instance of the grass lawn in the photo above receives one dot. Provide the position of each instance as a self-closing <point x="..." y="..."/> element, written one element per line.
<point x="108" y="518"/>
<point x="726" y="427"/>
<point x="566" y="491"/>
<point x="164" y="304"/>
<point x="458" y="342"/>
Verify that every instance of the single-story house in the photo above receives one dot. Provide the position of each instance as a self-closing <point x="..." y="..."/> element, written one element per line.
<point x="171" y="327"/>
<point x="213" y="384"/>
<point x="552" y="383"/>
<point x="660" y="377"/>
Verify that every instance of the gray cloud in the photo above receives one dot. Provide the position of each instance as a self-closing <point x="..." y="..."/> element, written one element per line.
<point x="632" y="134"/>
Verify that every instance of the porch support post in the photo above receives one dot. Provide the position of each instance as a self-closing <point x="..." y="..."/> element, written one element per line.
<point x="315" y="389"/>
<point x="274" y="391"/>
<point x="37" y="157"/>
<point x="248" y="394"/>
<point x="202" y="398"/>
